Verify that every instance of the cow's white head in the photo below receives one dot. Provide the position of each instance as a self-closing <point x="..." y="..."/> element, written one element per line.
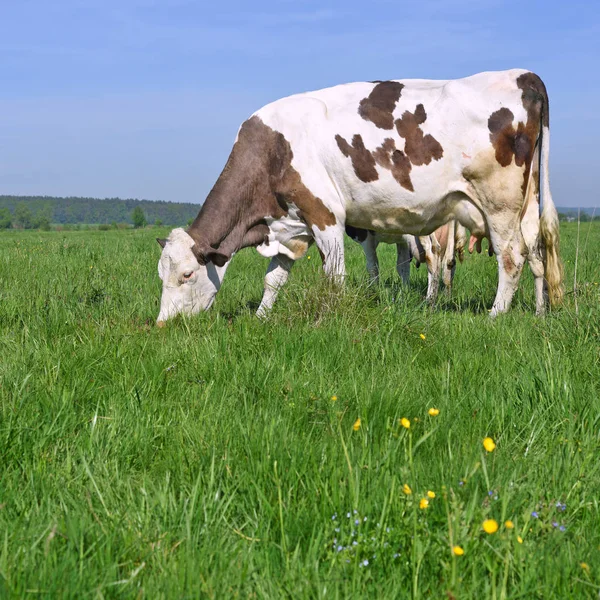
<point x="188" y="286"/>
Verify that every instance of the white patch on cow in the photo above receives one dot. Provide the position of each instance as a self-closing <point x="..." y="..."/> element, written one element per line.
<point x="188" y="287"/>
<point x="288" y="235"/>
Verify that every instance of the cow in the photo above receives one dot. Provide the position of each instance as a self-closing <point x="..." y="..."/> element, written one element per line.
<point x="438" y="251"/>
<point x="396" y="156"/>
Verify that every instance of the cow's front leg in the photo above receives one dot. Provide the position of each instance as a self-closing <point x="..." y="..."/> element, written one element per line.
<point x="331" y="247"/>
<point x="277" y="274"/>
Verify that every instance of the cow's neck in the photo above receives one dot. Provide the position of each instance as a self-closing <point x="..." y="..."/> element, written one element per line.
<point x="234" y="213"/>
<point x="229" y="211"/>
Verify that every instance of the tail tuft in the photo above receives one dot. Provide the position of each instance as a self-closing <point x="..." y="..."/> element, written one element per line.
<point x="554" y="272"/>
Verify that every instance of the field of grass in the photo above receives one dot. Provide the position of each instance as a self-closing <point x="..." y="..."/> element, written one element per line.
<point x="224" y="457"/>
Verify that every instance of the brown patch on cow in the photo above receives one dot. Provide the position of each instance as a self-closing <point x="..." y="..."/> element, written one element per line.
<point x="502" y="135"/>
<point x="311" y="209"/>
<point x="379" y="105"/>
<point x="357" y="234"/>
<point x="508" y="262"/>
<point x="509" y="142"/>
<point x="258" y="181"/>
<point x="388" y="157"/>
<point x="534" y="97"/>
<point x="421" y="149"/>
<point x="362" y="160"/>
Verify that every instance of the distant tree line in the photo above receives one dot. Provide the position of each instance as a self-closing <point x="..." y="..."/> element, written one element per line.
<point x="583" y="217"/>
<point x="39" y="212"/>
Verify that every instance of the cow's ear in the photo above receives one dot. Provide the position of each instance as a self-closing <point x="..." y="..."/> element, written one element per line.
<point x="162" y="242"/>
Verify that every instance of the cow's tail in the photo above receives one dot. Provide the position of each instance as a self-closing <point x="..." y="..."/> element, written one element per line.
<point x="549" y="224"/>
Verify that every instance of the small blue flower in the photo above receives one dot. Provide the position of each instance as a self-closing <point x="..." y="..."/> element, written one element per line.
<point x="461" y="483"/>
<point x="357" y="522"/>
<point x="554" y="524"/>
<point x="491" y="493"/>
<point x="534" y="514"/>
<point x="396" y="555"/>
<point x="365" y="562"/>
<point x="562" y="528"/>
<point x="334" y="517"/>
<point x="355" y="543"/>
<point x="340" y="548"/>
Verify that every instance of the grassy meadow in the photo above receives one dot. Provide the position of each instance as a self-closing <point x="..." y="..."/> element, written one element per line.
<point x="224" y="457"/>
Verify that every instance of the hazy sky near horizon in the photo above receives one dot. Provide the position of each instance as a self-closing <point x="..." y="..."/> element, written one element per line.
<point x="143" y="98"/>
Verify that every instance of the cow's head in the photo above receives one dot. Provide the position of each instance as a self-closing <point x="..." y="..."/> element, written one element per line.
<point x="188" y="286"/>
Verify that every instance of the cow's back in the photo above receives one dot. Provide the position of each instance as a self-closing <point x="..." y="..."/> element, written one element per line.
<point x="391" y="151"/>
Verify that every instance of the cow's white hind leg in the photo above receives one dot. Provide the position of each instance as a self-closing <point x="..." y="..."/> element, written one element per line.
<point x="509" y="246"/>
<point x="277" y="274"/>
<point x="403" y="261"/>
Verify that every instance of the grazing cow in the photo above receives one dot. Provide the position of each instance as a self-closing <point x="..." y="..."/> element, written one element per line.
<point x="390" y="156"/>
<point x="438" y="251"/>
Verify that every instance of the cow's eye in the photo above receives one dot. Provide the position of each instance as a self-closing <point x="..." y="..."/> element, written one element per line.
<point x="187" y="275"/>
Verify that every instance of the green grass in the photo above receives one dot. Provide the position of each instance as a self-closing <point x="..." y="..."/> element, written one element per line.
<point x="208" y="459"/>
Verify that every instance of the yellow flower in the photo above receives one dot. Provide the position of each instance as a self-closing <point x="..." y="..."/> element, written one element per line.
<point x="406" y="489"/>
<point x="519" y="539"/>
<point x="333" y="398"/>
<point x="509" y="524"/>
<point x="405" y="422"/>
<point x="424" y="503"/>
<point x="458" y="551"/>
<point x="488" y="444"/>
<point x="490" y="526"/>
<point x="308" y="257"/>
<point x="356" y="425"/>
<point x="434" y="412"/>
<point x="422" y="336"/>
<point x="584" y="566"/>
<point x="431" y="494"/>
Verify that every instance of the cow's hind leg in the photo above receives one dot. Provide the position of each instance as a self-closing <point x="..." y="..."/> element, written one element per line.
<point x="509" y="246"/>
<point x="277" y="274"/>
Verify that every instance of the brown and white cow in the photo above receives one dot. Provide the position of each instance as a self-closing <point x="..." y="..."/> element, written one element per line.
<point x="438" y="251"/>
<point x="400" y="156"/>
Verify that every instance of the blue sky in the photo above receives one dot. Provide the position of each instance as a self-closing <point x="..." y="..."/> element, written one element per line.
<point x="143" y="98"/>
